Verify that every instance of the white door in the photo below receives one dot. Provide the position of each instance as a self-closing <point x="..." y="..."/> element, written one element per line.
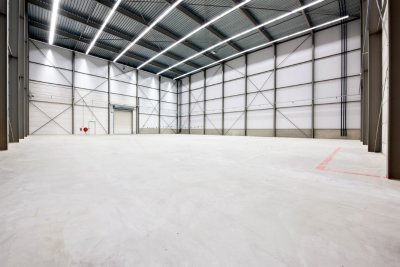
<point x="122" y="122"/>
<point x="92" y="127"/>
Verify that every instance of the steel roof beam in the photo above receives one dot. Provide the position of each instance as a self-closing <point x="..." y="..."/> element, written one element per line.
<point x="253" y="21"/>
<point x="199" y="21"/>
<point x="156" y="28"/>
<point x="305" y="16"/>
<point x="111" y="49"/>
<point x="109" y="31"/>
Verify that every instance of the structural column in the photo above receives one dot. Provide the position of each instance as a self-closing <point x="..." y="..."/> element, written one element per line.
<point x="393" y="157"/>
<point x="108" y="97"/>
<point x="313" y="86"/>
<point x="26" y="69"/>
<point x="189" y="109"/>
<point x="364" y="70"/>
<point x="159" y="104"/>
<point x="3" y="75"/>
<point x="223" y="98"/>
<point x="21" y="67"/>
<point x="204" y="102"/>
<point x="374" y="80"/>
<point x="13" y="75"/>
<point x="73" y="95"/>
<point x="274" y="90"/>
<point x="245" y="95"/>
<point x="137" y="102"/>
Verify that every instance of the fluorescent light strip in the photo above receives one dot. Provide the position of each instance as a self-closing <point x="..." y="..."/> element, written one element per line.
<point x="149" y="28"/>
<point x="243" y="33"/>
<point x="259" y="46"/>
<point x="193" y="32"/>
<point x="53" y="21"/>
<point x="103" y="26"/>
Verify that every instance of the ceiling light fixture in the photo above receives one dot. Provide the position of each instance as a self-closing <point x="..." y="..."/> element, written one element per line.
<point x="149" y="28"/>
<point x="103" y="26"/>
<point x="53" y="21"/>
<point x="260" y="46"/>
<point x="193" y="32"/>
<point x="245" y="32"/>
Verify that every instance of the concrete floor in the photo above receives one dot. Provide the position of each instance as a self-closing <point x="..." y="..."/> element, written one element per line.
<point x="179" y="200"/>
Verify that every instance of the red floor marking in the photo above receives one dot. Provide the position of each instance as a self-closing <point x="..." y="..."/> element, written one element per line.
<point x="323" y="165"/>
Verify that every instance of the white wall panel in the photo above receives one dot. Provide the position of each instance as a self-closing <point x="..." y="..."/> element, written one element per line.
<point x="91" y="65"/>
<point x="260" y="61"/>
<point x="234" y="69"/>
<point x="353" y="35"/>
<point x="147" y="106"/>
<point x="91" y="82"/>
<point x="260" y="82"/>
<point x="148" y="79"/>
<point x="260" y="100"/>
<point x="300" y="116"/>
<point x="328" y="42"/>
<point x="149" y="93"/>
<point x="38" y="119"/>
<point x="196" y="108"/>
<point x="168" y="97"/>
<point x="214" y="91"/>
<point x="167" y="122"/>
<point x="123" y="100"/>
<point x="84" y="114"/>
<point x="328" y="116"/>
<point x="330" y="91"/>
<point x="196" y="122"/>
<point x="185" y="84"/>
<point x="235" y="87"/>
<point x="260" y="119"/>
<point x="122" y="88"/>
<point x="294" y="96"/>
<point x="330" y="68"/>
<point x="49" y="74"/>
<point x="294" y="75"/>
<point x="214" y="106"/>
<point x="122" y="73"/>
<point x="184" y="109"/>
<point x="197" y="95"/>
<point x="234" y="103"/>
<point x="184" y="98"/>
<point x="234" y="120"/>
<point x="197" y="80"/>
<point x="50" y="93"/>
<point x="214" y="121"/>
<point x="214" y="75"/>
<point x="184" y="122"/>
<point x="91" y="98"/>
<point x="294" y="51"/>
<point x="50" y="55"/>
<point x="168" y="109"/>
<point x="148" y="121"/>
<point x="169" y="85"/>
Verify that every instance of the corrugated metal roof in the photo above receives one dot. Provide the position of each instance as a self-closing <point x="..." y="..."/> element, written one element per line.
<point x="179" y="25"/>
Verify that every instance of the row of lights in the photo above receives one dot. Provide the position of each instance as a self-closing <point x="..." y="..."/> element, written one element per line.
<point x="159" y="18"/>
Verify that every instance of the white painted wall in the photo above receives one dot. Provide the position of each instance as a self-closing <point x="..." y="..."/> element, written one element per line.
<point x="294" y="72"/>
<point x="51" y="85"/>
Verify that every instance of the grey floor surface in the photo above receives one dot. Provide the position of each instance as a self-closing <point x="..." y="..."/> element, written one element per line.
<point x="179" y="200"/>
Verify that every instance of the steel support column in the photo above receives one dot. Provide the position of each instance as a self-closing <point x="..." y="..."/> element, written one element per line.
<point x="245" y="95"/>
<point x="159" y="104"/>
<point x="21" y="73"/>
<point x="364" y="81"/>
<point x="313" y="87"/>
<point x="223" y="98"/>
<point x="26" y="68"/>
<point x="73" y="93"/>
<point x="204" y="102"/>
<point x="189" y="109"/>
<point x="13" y="75"/>
<point x="137" y="101"/>
<point x="109" y="104"/>
<point x="393" y="157"/>
<point x="4" y="74"/>
<point x="375" y="80"/>
<point x="178" y="129"/>
<point x="274" y="91"/>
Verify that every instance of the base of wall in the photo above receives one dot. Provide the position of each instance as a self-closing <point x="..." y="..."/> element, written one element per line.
<point x="335" y="134"/>
<point x="234" y="132"/>
<point x="168" y="131"/>
<point x="148" y="131"/>
<point x="214" y="132"/>
<point x="197" y="131"/>
<point x="184" y="131"/>
<point x="296" y="133"/>
<point x="260" y="132"/>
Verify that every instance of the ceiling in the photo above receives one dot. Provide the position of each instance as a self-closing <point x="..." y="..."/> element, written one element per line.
<point x="78" y="22"/>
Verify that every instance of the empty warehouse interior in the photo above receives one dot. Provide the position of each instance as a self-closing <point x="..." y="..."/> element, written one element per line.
<point x="199" y="133"/>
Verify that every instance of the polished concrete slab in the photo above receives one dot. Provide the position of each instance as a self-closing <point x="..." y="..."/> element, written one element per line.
<point x="180" y="200"/>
